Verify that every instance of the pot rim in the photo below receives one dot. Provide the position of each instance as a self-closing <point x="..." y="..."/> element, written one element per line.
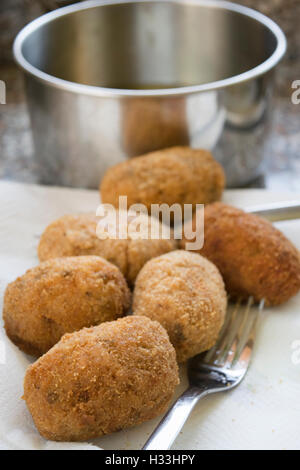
<point x="78" y="88"/>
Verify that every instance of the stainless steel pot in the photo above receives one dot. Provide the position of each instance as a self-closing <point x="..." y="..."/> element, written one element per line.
<point x="107" y="80"/>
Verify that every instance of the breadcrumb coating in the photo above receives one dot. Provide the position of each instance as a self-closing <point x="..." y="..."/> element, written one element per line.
<point x="60" y="296"/>
<point x="174" y="175"/>
<point x="185" y="293"/>
<point x="75" y="235"/>
<point x="252" y="255"/>
<point x="102" y="379"/>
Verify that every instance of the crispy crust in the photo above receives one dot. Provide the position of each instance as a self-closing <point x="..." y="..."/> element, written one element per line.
<point x="59" y="296"/>
<point x="102" y="379"/>
<point x="185" y="293"/>
<point x="253" y="256"/>
<point x="75" y="235"/>
<point x="175" y="175"/>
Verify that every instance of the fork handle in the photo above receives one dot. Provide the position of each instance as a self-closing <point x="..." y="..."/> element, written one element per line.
<point x="168" y="429"/>
<point x="277" y="212"/>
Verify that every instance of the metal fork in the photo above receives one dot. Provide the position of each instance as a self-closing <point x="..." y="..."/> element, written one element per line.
<point x="277" y="212"/>
<point x="220" y="369"/>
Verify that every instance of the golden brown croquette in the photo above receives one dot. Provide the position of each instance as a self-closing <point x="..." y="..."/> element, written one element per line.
<point x="185" y="293"/>
<point x="175" y="175"/>
<point x="61" y="296"/>
<point x="75" y="235"/>
<point x="102" y="379"/>
<point x="252" y="255"/>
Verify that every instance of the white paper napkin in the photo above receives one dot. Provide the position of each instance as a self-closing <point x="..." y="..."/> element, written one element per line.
<point x="262" y="413"/>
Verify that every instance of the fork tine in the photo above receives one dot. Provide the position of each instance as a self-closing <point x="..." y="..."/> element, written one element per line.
<point x="234" y="339"/>
<point x="212" y="352"/>
<point x="243" y="352"/>
<point x="228" y="335"/>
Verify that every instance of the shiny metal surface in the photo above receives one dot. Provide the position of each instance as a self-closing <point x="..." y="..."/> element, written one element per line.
<point x="288" y="210"/>
<point x="219" y="370"/>
<point x="107" y="80"/>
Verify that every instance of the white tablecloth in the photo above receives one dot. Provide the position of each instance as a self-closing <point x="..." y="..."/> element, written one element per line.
<point x="262" y="413"/>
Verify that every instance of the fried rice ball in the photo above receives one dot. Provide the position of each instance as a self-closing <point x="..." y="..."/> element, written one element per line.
<point x="185" y="293"/>
<point x="75" y="235"/>
<point x="102" y="379"/>
<point x="60" y="296"/>
<point x="175" y="175"/>
<point x="254" y="258"/>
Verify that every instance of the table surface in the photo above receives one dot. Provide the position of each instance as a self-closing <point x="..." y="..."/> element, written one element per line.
<point x="263" y="413"/>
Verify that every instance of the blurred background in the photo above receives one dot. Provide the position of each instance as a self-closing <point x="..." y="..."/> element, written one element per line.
<point x="282" y="146"/>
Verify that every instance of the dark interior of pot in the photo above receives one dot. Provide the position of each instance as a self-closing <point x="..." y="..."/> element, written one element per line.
<point x="149" y="45"/>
